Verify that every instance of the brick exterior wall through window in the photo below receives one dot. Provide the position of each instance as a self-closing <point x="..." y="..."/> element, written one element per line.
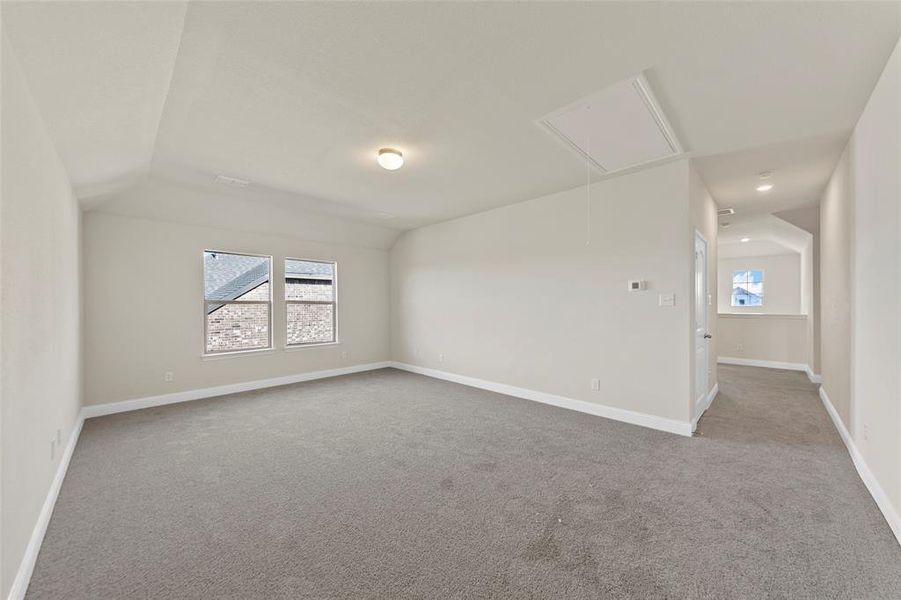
<point x="310" y="323"/>
<point x="234" y="327"/>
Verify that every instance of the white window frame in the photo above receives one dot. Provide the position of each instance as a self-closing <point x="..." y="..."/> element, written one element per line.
<point x="334" y="302"/>
<point x="732" y="288"/>
<point x="268" y="348"/>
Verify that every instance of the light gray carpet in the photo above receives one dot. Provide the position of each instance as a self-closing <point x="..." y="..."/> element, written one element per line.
<point x="392" y="485"/>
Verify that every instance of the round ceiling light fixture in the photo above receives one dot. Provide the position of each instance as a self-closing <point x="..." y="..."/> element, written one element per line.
<point x="745" y="240"/>
<point x="765" y="187"/>
<point x="390" y="159"/>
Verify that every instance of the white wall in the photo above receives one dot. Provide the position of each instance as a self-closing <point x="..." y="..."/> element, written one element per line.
<point x="515" y="296"/>
<point x="144" y="311"/>
<point x="39" y="293"/>
<point x="860" y="223"/>
<point x="781" y="283"/>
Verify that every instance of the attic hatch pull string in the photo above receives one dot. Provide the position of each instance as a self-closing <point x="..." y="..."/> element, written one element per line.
<point x="588" y="187"/>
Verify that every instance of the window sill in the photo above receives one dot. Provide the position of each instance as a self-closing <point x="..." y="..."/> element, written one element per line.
<point x="295" y="347"/>
<point x="756" y="315"/>
<point x="235" y="354"/>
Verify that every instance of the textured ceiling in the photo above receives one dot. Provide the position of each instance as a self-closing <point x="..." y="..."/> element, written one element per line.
<point x="297" y="97"/>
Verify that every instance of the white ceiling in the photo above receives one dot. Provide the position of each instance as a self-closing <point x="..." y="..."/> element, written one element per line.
<point x="767" y="235"/>
<point x="800" y="171"/>
<point x="297" y="97"/>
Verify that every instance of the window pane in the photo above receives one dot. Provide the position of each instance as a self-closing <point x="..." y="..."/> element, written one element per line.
<point x="235" y="276"/>
<point x="739" y="278"/>
<point x="755" y="300"/>
<point x="309" y="280"/>
<point x="232" y="327"/>
<point x="755" y="276"/>
<point x="739" y="299"/>
<point x="310" y="323"/>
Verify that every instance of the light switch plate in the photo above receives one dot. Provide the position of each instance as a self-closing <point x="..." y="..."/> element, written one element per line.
<point x="666" y="299"/>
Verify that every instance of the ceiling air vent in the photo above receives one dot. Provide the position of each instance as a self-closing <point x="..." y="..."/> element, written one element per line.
<point x="725" y="212"/>
<point x="620" y="127"/>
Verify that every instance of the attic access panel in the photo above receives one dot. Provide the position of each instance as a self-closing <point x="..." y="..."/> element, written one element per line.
<point x="620" y="127"/>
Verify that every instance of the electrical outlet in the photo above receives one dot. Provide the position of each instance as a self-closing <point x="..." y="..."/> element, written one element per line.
<point x="595" y="385"/>
<point x="440" y="358"/>
<point x="740" y="347"/>
<point x="344" y="354"/>
<point x="866" y="433"/>
<point x="168" y="376"/>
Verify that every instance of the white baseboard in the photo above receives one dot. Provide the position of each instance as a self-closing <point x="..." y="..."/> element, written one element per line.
<point x="98" y="410"/>
<point x="707" y="402"/>
<point x="770" y="364"/>
<point x="600" y="410"/>
<point x="869" y="480"/>
<point x="26" y="567"/>
<point x="813" y="377"/>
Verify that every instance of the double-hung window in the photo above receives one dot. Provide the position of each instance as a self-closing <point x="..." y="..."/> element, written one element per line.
<point x="310" y="299"/>
<point x="237" y="302"/>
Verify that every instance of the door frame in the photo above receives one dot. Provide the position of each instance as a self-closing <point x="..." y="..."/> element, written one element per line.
<point x="699" y="397"/>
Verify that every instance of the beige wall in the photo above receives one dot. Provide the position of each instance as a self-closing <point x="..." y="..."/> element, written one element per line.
<point x="776" y="338"/>
<point x="876" y="281"/>
<point x="781" y="284"/>
<point x="808" y="219"/>
<point x="704" y="220"/>
<point x="835" y="288"/>
<point x="516" y="296"/>
<point x="860" y="245"/>
<point x="144" y="311"/>
<point x="39" y="294"/>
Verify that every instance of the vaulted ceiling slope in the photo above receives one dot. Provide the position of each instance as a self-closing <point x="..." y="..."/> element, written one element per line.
<point x="297" y="97"/>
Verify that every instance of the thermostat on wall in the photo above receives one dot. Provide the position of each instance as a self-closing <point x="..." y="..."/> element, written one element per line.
<point x="636" y="285"/>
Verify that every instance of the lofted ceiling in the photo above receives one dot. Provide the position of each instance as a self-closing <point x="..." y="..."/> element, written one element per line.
<point x="767" y="235"/>
<point x="297" y="97"/>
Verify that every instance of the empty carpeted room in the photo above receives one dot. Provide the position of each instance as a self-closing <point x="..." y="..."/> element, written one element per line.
<point x="399" y="300"/>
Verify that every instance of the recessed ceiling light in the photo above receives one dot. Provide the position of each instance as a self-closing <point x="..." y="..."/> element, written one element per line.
<point x="745" y="239"/>
<point x="765" y="187"/>
<point x="391" y="159"/>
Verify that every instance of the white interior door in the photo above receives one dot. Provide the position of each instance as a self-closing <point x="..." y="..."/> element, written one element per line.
<point x="700" y="332"/>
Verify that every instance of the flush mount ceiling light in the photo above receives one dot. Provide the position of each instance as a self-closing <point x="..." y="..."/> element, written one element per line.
<point x="745" y="239"/>
<point x="390" y="159"/>
<point x="765" y="185"/>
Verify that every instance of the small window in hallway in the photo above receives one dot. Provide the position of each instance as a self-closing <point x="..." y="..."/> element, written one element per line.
<point x="747" y="288"/>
